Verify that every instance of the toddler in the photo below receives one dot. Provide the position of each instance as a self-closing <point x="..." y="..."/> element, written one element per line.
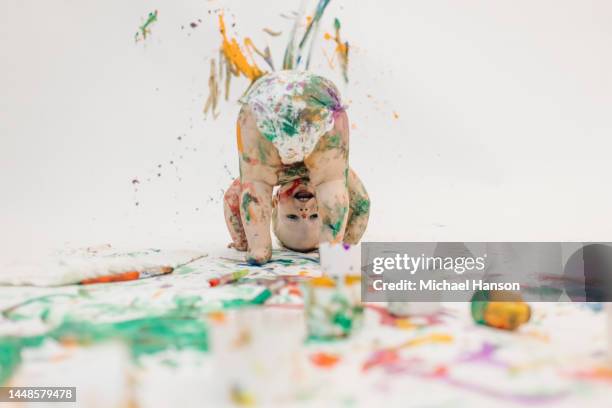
<point x="293" y="132"/>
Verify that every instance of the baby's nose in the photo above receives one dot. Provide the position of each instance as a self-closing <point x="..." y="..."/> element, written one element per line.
<point x="303" y="212"/>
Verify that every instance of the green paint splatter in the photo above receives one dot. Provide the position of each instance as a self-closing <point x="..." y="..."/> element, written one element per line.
<point x="293" y="172"/>
<point x="263" y="156"/>
<point x="144" y="29"/>
<point x="333" y="142"/>
<point x="285" y="261"/>
<point x="336" y="23"/>
<point x="268" y="129"/>
<point x="290" y="123"/>
<point x="360" y="206"/>
<point x="247" y="199"/>
<point x="180" y="328"/>
<point x="337" y="225"/>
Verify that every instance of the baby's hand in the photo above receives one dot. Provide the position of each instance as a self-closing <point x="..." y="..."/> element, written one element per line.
<point x="231" y="209"/>
<point x="240" y="246"/>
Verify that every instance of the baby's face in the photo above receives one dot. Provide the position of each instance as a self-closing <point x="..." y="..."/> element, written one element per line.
<point x="297" y="223"/>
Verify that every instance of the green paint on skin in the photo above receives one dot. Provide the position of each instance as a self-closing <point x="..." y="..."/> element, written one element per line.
<point x="293" y="172"/>
<point x="346" y="177"/>
<point x="337" y="225"/>
<point x="263" y="156"/>
<point x="333" y="142"/>
<point x="318" y="93"/>
<point x="361" y="206"/>
<point x="247" y="199"/>
<point x="290" y="123"/>
<point x="268" y="129"/>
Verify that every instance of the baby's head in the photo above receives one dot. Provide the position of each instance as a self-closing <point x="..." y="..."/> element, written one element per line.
<point x="295" y="217"/>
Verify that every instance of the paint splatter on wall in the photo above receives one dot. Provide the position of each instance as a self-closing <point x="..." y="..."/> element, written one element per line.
<point x="144" y="30"/>
<point x="341" y="51"/>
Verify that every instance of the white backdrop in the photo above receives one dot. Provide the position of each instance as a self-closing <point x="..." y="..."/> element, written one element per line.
<point x="503" y="132"/>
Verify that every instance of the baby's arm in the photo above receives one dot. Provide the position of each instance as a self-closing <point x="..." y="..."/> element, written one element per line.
<point x="359" y="209"/>
<point x="258" y="164"/>
<point x="231" y="209"/>
<point x="328" y="167"/>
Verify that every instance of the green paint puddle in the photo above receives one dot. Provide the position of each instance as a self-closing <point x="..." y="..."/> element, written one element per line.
<point x="179" y="329"/>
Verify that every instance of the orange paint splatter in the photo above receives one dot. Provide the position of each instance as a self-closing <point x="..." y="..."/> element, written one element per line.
<point x="218" y="317"/>
<point x="325" y="360"/>
<point x="235" y="57"/>
<point x="405" y="324"/>
<point x="126" y="276"/>
<point x="598" y="373"/>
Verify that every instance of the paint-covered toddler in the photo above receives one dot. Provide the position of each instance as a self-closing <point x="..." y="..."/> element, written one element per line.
<point x="293" y="132"/>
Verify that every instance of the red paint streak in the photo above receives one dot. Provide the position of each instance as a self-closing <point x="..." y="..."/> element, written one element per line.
<point x="294" y="185"/>
<point x="232" y="197"/>
<point x="294" y="290"/>
<point x="381" y="358"/>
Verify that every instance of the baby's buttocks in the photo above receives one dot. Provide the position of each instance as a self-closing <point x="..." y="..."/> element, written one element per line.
<point x="293" y="109"/>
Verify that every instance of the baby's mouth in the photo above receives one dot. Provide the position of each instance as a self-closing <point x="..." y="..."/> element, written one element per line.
<point x="303" y="196"/>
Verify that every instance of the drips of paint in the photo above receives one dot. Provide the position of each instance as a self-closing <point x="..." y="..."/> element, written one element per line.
<point x="325" y="360"/>
<point x="266" y="54"/>
<point x="213" y="91"/>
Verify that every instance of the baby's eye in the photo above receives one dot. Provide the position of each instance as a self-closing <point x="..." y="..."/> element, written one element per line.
<point x="292" y="217"/>
<point x="314" y="216"/>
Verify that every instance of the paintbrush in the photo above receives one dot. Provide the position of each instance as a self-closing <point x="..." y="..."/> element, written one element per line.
<point x="229" y="278"/>
<point x="130" y="275"/>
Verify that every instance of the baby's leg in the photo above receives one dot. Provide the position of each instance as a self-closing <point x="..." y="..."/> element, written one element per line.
<point x="259" y="162"/>
<point x="359" y="209"/>
<point x="328" y="167"/>
<point x="231" y="209"/>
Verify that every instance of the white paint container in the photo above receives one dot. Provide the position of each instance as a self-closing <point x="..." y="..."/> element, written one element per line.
<point x="340" y="259"/>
